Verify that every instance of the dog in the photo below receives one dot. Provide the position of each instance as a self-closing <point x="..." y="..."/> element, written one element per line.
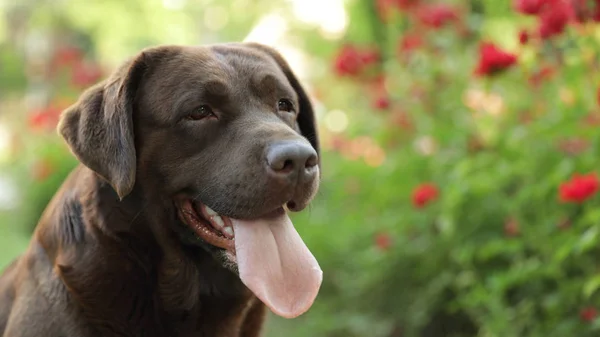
<point x="175" y="222"/>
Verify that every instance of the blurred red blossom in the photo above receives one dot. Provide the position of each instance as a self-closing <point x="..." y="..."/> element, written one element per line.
<point x="384" y="7"/>
<point x="377" y="84"/>
<point x="573" y="146"/>
<point x="493" y="60"/>
<point x="592" y="119"/>
<point x="405" y="4"/>
<point x="351" y="61"/>
<point x="46" y="118"/>
<point x="511" y="227"/>
<point x="409" y="42"/>
<point x="382" y="102"/>
<point x="588" y="314"/>
<point x="554" y="18"/>
<point x="585" y="10"/>
<point x="579" y="188"/>
<point x="85" y="74"/>
<point x="400" y="118"/>
<point x="383" y="241"/>
<point x="436" y="15"/>
<point x="377" y="88"/>
<point x="545" y="73"/>
<point x="424" y="194"/>
<point x="348" y="61"/>
<point x="555" y="15"/>
<point x="369" y="56"/>
<point x="523" y="37"/>
<point x="338" y="143"/>
<point x="529" y="7"/>
<point x="66" y="56"/>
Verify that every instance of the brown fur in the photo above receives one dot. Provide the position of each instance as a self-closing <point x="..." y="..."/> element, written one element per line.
<point x="109" y="256"/>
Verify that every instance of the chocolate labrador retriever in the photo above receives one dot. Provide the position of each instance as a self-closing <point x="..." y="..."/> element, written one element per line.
<point x="175" y="222"/>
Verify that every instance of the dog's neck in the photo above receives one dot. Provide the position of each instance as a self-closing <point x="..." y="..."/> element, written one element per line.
<point x="102" y="245"/>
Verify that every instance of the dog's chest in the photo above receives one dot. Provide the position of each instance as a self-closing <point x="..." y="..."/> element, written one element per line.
<point x="200" y="298"/>
<point x="225" y="318"/>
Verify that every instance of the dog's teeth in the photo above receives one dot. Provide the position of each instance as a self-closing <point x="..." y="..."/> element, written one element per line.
<point x="228" y="230"/>
<point x="217" y="219"/>
<point x="209" y="211"/>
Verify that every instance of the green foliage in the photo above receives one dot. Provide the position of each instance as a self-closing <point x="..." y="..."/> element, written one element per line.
<point x="12" y="78"/>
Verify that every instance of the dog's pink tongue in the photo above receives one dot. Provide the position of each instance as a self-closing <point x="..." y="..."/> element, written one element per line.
<point x="276" y="265"/>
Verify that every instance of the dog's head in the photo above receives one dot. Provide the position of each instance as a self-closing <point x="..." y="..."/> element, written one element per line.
<point x="227" y="134"/>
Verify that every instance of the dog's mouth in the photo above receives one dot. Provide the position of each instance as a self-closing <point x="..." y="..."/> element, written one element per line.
<point x="208" y="225"/>
<point x="273" y="261"/>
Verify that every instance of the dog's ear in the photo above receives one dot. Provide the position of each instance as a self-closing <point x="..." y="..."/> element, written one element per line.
<point x="306" y="116"/>
<point x="98" y="128"/>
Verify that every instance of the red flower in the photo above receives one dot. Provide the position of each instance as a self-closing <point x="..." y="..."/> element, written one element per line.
<point x="410" y="42"/>
<point x="583" y="12"/>
<point x="529" y="7"/>
<point x="511" y="227"/>
<point x="523" y="37"/>
<point x="348" y="61"/>
<point x="554" y="18"/>
<point x="493" y="60"/>
<point x="383" y="241"/>
<point x="596" y="14"/>
<point x="592" y="119"/>
<point x="385" y="6"/>
<point x="545" y="73"/>
<point x="85" y="74"/>
<point x="46" y="118"/>
<point x="588" y="314"/>
<point x="436" y="15"/>
<point x="369" y="56"/>
<point x="573" y="146"/>
<point x="400" y="118"/>
<point x="66" y="56"/>
<point x="339" y="143"/>
<point x="579" y="188"/>
<point x="382" y="103"/>
<point x="424" y="194"/>
<point x="405" y="4"/>
<point x="351" y="61"/>
<point x="377" y="83"/>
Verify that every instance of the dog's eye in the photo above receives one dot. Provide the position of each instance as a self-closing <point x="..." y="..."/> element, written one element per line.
<point x="285" y="105"/>
<point x="200" y="112"/>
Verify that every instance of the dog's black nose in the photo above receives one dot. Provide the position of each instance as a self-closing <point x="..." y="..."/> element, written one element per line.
<point x="291" y="158"/>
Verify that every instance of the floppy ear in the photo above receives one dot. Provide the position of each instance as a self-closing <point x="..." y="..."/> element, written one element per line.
<point x="99" y="127"/>
<point x="306" y="115"/>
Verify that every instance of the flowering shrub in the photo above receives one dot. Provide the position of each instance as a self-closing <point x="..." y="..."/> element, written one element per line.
<point x="41" y="161"/>
<point x="482" y="215"/>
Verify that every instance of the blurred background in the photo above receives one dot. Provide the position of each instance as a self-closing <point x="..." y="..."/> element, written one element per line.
<point x="459" y="193"/>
